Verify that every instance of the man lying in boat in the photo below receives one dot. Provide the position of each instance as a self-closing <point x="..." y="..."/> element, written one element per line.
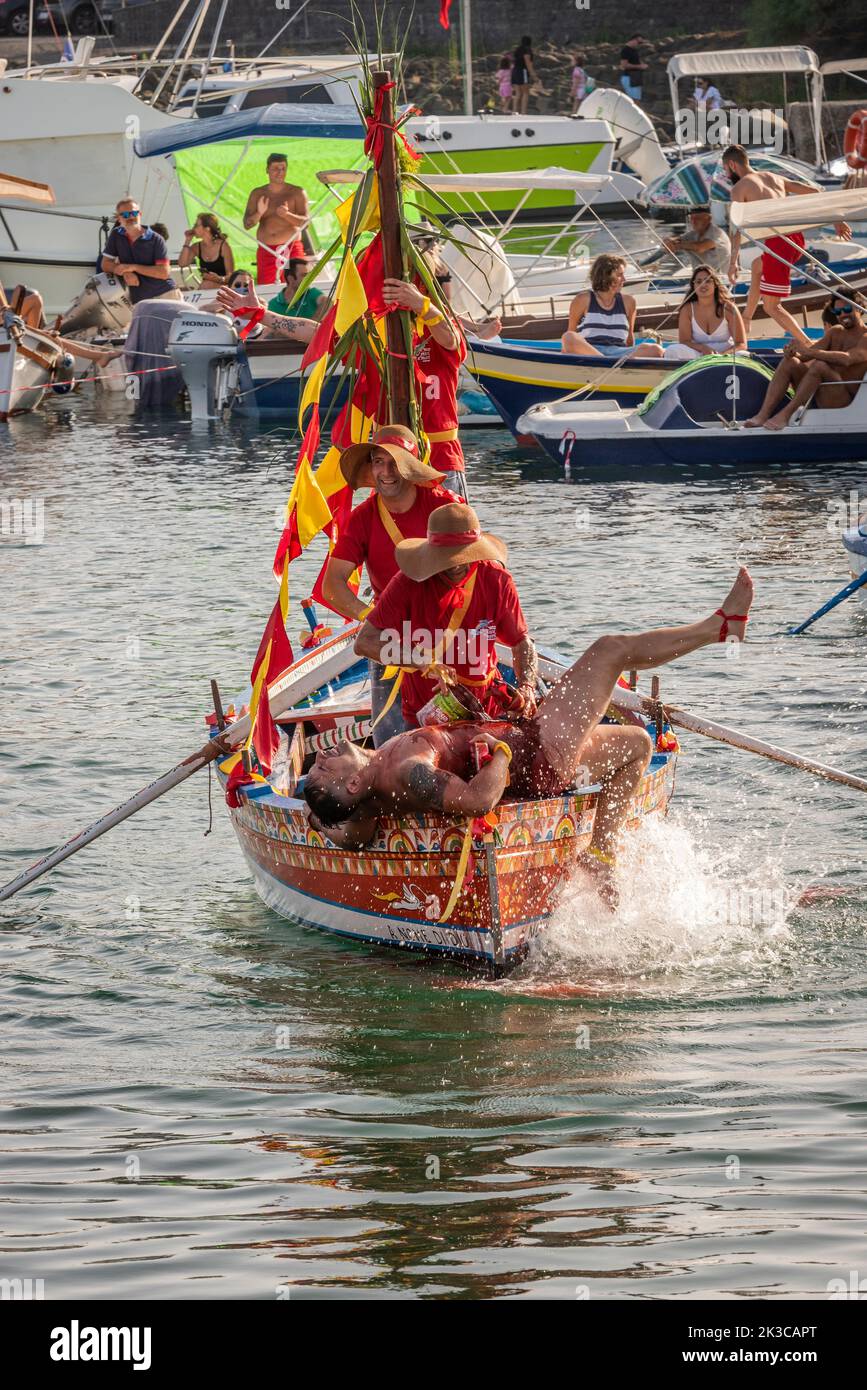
<point x="433" y="769"/>
<point x="830" y="370"/>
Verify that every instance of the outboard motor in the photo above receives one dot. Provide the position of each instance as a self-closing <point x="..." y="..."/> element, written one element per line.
<point x="206" y="349"/>
<point x="103" y="305"/>
<point x="63" y="378"/>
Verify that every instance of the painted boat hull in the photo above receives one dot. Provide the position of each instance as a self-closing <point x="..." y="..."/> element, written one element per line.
<point x="708" y="447"/>
<point x="394" y="892"/>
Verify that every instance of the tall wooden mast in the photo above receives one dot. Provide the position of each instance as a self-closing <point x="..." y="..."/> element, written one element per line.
<point x="387" y="175"/>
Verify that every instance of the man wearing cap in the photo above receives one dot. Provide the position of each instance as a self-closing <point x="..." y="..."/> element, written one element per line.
<point x="451" y="603"/>
<point x="406" y="491"/>
<point x="703" y="243"/>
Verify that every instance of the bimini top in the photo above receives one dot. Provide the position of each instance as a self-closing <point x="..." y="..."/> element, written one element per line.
<point x="522" y="179"/>
<point x="284" y="120"/>
<point x="742" y="60"/>
<point x="770" y="216"/>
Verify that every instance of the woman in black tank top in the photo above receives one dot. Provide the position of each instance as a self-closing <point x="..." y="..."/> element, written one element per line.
<point x="205" y="242"/>
<point x="523" y="73"/>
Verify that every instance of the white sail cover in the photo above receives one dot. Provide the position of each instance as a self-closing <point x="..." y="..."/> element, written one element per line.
<point x="742" y="60"/>
<point x="844" y="65"/>
<point x="773" y="216"/>
<point x="530" y="180"/>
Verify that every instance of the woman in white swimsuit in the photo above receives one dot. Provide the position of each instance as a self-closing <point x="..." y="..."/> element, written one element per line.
<point x="709" y="321"/>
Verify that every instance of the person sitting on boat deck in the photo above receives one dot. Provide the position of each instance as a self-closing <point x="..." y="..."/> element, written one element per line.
<point x="451" y="602"/>
<point x="831" y="369"/>
<point x="602" y="319"/>
<point x="138" y="256"/>
<point x="405" y="492"/>
<point x="279" y="211"/>
<point x="703" y="243"/>
<point x="709" y="320"/>
<point x="312" y="303"/>
<point x="771" y="274"/>
<point x="430" y="769"/>
<point x="27" y="303"/>
<point x="205" y="242"/>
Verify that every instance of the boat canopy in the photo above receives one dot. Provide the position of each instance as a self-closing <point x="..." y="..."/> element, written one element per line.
<point x="844" y="65"/>
<point x="723" y="62"/>
<point x="743" y="62"/>
<point x="286" y="120"/>
<point x="774" y="216"/>
<point x="532" y="180"/>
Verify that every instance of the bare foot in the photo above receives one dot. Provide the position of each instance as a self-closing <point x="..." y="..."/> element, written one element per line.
<point x="738" y="600"/>
<point x="777" y="422"/>
<point x="755" y="423"/>
<point x="602" y="875"/>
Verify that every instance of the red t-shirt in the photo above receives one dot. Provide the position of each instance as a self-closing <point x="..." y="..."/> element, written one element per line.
<point x="439" y="399"/>
<point x="364" y="539"/>
<point x="494" y="613"/>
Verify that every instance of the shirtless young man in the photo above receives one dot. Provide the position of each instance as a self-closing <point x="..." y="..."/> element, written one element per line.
<point x="772" y="273"/>
<point x="281" y="211"/>
<point x="429" y="769"/>
<point x="822" y="368"/>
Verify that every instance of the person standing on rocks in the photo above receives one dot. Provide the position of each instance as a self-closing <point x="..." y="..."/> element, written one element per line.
<point x="523" y="73"/>
<point x="631" y="68"/>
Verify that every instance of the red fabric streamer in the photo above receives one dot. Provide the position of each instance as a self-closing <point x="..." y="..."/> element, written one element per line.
<point x="253" y="316"/>
<point x="376" y="127"/>
<point x="445" y="6"/>
<point x="322" y="341"/>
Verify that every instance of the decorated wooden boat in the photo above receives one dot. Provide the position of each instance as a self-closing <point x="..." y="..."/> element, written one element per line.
<point x="394" y="892"/>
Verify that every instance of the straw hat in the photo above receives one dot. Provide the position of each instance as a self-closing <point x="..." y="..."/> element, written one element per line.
<point x="454" y="537"/>
<point x="401" y="444"/>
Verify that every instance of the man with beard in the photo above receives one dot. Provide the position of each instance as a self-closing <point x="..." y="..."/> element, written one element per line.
<point x="831" y="370"/>
<point x="751" y="185"/>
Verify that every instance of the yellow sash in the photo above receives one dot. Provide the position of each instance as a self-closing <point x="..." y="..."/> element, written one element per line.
<point x="435" y="667"/>
<point x="390" y="526"/>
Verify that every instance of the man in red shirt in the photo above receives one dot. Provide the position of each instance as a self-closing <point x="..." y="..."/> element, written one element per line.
<point x="405" y="492"/>
<point x="439" y="352"/>
<point x="450" y="605"/>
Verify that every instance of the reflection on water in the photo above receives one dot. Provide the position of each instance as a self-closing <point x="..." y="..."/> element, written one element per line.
<point x="202" y="1100"/>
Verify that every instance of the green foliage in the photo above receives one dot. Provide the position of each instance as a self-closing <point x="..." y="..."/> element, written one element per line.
<point x="789" y="21"/>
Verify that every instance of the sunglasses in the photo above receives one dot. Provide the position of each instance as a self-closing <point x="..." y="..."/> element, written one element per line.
<point x="839" y="309"/>
<point x="133" y="213"/>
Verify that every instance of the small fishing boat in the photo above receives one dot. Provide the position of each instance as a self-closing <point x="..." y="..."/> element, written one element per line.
<point x="517" y="377"/>
<point x="31" y="363"/>
<point x="697" y="416"/>
<point x="395" y="891"/>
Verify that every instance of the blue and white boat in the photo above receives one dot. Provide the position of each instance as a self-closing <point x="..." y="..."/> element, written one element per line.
<point x="697" y="416"/>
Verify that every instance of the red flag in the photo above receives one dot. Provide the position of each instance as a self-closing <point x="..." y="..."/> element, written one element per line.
<point x="445" y="6"/>
<point x="322" y="341"/>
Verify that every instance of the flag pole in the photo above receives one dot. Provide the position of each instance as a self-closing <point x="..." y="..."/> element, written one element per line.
<point x="467" y="55"/>
<point x="387" y="178"/>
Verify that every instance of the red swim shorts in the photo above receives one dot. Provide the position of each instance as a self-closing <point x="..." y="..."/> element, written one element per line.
<point x="777" y="275"/>
<point x="270" y="260"/>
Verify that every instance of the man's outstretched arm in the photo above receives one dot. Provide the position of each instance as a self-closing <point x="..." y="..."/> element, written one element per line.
<point x="429" y="788"/>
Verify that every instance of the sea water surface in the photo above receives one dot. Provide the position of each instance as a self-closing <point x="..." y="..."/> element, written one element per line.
<point x="201" y="1100"/>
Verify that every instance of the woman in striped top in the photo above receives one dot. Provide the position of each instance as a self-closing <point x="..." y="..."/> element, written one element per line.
<point x="602" y="319"/>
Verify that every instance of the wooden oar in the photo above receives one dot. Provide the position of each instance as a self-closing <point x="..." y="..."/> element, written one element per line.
<point x="850" y="588"/>
<point x="319" y="666"/>
<point x="631" y="700"/>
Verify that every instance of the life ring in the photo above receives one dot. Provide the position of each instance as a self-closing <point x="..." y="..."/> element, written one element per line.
<point x="855" y="140"/>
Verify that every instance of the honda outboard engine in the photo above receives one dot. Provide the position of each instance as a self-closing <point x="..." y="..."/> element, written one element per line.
<point x="206" y="349"/>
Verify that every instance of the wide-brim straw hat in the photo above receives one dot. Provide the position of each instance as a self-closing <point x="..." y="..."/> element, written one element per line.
<point x="454" y="537"/>
<point x="401" y="444"/>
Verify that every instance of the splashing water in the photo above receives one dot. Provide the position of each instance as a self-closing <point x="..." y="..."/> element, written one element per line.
<point x="682" y="907"/>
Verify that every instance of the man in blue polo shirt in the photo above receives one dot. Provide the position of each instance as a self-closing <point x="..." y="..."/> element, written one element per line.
<point x="138" y="255"/>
